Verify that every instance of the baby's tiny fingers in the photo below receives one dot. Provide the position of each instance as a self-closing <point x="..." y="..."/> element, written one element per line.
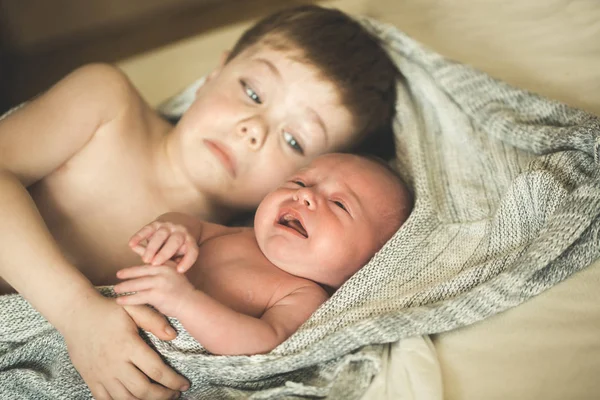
<point x="188" y="259"/>
<point x="169" y="249"/>
<point x="155" y="243"/>
<point x="134" y="299"/>
<point x="138" y="271"/>
<point x="140" y="235"/>
<point x="139" y="250"/>
<point x="135" y="285"/>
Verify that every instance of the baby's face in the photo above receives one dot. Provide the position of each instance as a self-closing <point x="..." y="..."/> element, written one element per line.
<point x="329" y="219"/>
<point x="259" y="118"/>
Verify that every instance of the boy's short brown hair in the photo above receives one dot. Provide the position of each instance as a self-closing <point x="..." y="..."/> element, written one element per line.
<point x="348" y="56"/>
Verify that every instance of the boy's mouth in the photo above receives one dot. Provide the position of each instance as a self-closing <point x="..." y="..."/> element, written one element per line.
<point x="223" y="155"/>
<point x="289" y="220"/>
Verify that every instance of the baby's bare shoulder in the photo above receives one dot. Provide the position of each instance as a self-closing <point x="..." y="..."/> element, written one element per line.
<point x="299" y="291"/>
<point x="293" y="309"/>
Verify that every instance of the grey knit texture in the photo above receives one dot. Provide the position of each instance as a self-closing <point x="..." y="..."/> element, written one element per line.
<point x="507" y="191"/>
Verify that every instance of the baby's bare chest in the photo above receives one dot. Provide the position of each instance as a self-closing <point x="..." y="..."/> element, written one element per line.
<point x="239" y="276"/>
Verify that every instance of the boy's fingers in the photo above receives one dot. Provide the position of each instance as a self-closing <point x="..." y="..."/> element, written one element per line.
<point x="155" y="243"/>
<point x="151" y="364"/>
<point x="152" y="321"/>
<point x="117" y="390"/>
<point x="99" y="392"/>
<point x="169" y="249"/>
<point x="138" y="385"/>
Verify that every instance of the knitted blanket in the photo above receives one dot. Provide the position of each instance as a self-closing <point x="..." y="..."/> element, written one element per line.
<point x="507" y="191"/>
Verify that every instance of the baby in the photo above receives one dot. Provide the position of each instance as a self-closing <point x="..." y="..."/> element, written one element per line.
<point x="251" y="288"/>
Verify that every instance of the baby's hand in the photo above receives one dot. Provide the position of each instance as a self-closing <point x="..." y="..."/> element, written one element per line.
<point x="158" y="285"/>
<point x="165" y="241"/>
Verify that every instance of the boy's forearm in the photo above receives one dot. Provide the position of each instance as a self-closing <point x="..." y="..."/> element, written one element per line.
<point x="224" y="331"/>
<point x="31" y="261"/>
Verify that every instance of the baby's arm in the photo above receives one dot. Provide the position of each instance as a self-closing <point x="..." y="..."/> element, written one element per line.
<point x="34" y="142"/>
<point x="217" y="327"/>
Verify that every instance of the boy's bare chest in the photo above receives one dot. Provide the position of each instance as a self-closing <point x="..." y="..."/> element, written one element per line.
<point x="238" y="276"/>
<point x="96" y="201"/>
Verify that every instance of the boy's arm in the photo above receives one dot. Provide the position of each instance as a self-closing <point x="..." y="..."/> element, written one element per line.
<point x="222" y="330"/>
<point x="35" y="141"/>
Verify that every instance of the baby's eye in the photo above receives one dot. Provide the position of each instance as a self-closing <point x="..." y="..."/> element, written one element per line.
<point x="299" y="183"/>
<point x="251" y="93"/>
<point x="293" y="143"/>
<point x="340" y="205"/>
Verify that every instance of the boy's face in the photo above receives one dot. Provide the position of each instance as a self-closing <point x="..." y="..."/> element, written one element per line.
<point x="257" y="119"/>
<point x="329" y="219"/>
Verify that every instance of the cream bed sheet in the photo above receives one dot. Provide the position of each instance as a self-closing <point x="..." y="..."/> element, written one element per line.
<point x="549" y="347"/>
<point x="410" y="371"/>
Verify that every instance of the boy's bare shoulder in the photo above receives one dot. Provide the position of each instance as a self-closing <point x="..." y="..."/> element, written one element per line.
<point x="68" y="115"/>
<point x="104" y="86"/>
<point x="101" y="76"/>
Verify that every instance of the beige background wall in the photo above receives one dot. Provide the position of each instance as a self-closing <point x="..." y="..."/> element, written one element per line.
<point x="549" y="46"/>
<point x="30" y="24"/>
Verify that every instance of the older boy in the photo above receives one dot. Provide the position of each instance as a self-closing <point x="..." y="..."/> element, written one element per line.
<point x="90" y="152"/>
<point x="251" y="288"/>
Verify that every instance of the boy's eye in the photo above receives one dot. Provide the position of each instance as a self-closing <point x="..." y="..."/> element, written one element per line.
<point x="251" y="93"/>
<point x="293" y="143"/>
<point x="340" y="205"/>
<point x="299" y="183"/>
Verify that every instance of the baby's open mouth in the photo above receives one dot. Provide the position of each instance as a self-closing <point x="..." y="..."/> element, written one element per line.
<point x="292" y="222"/>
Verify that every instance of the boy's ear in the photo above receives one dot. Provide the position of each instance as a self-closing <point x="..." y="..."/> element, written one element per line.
<point x="222" y="62"/>
<point x="224" y="57"/>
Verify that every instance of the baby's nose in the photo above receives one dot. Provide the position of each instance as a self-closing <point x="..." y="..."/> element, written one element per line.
<point x="307" y="197"/>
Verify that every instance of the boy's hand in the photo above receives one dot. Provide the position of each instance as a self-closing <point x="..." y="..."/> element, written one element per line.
<point x="158" y="285"/>
<point x="112" y="358"/>
<point x="165" y="241"/>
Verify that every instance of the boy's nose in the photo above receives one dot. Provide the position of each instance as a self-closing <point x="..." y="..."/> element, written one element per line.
<point x="307" y="197"/>
<point x="254" y="132"/>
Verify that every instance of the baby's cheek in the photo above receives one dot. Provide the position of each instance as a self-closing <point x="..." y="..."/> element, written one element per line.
<point x="273" y="251"/>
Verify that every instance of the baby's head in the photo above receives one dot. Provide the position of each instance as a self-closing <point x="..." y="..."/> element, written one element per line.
<point x="331" y="217"/>
<point x="346" y="55"/>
